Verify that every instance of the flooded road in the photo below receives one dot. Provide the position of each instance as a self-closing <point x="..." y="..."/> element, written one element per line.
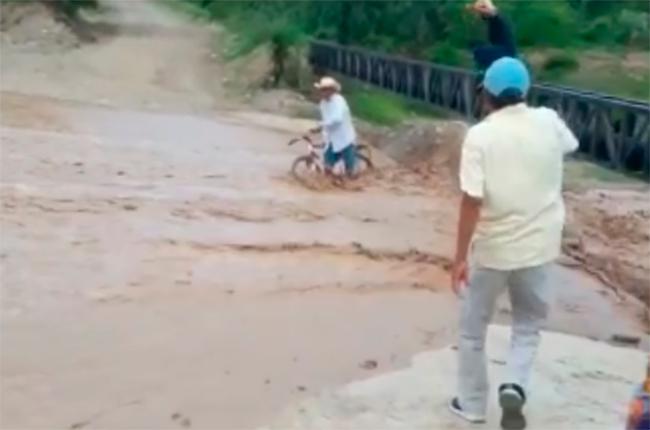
<point x="160" y="269"/>
<point x="169" y="265"/>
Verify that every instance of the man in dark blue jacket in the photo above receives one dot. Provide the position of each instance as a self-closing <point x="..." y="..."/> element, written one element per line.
<point x="501" y="40"/>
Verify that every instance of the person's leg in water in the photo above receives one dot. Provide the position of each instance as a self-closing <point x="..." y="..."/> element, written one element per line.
<point x="349" y="155"/>
<point x="330" y="158"/>
<point x="530" y="297"/>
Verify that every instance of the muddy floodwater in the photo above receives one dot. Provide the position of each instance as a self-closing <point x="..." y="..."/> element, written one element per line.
<point x="160" y="268"/>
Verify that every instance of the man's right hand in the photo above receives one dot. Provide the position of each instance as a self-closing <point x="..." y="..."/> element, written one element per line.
<point x="458" y="276"/>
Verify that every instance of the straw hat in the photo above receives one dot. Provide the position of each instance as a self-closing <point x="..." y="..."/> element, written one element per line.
<point x="328" y="82"/>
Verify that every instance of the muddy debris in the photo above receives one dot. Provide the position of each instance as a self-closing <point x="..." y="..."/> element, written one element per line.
<point x="369" y="365"/>
<point x="32" y="25"/>
<point x="626" y="339"/>
<point x="183" y="282"/>
<point x="184" y="422"/>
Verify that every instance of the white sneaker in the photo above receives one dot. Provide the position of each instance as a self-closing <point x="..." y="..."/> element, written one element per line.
<point x="454" y="406"/>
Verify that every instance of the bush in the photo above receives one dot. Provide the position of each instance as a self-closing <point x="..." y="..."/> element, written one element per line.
<point x="541" y="23"/>
<point x="634" y="29"/>
<point x="380" y="43"/>
<point x="445" y="53"/>
<point x="283" y="37"/>
<point x="599" y="31"/>
<point x="72" y="7"/>
<point x="564" y="61"/>
<point x="560" y="63"/>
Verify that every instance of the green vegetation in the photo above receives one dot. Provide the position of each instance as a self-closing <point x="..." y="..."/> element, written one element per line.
<point x="382" y="107"/>
<point x="611" y="77"/>
<point x="191" y="8"/>
<point x="376" y="108"/>
<point x="72" y="7"/>
<point x="442" y="30"/>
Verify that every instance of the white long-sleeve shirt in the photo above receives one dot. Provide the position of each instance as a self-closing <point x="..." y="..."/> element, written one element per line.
<point x="338" y="129"/>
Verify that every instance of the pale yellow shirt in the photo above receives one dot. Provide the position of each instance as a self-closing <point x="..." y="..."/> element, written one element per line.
<point x="513" y="162"/>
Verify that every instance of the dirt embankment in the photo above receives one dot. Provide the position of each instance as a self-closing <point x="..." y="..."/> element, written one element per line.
<point x="163" y="64"/>
<point x="608" y="235"/>
<point x="32" y="25"/>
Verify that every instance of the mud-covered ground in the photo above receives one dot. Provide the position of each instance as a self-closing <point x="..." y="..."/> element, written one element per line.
<point x="160" y="269"/>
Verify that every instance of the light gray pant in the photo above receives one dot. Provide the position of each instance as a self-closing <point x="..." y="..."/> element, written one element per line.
<point x="530" y="292"/>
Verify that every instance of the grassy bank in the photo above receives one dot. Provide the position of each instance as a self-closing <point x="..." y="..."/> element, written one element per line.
<point x="619" y="72"/>
<point x="384" y="108"/>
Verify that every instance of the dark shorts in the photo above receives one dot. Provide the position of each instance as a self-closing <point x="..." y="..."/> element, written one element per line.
<point x="348" y="154"/>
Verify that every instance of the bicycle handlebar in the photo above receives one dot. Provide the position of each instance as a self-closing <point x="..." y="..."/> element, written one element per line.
<point x="297" y="139"/>
<point x="306" y="139"/>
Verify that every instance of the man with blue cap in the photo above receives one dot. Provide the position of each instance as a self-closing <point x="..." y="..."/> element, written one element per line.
<point x="511" y="218"/>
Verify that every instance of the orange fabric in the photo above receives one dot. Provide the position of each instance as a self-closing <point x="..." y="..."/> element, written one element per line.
<point x="634" y="415"/>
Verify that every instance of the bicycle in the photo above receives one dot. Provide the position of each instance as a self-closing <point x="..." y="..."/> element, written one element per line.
<point x="306" y="167"/>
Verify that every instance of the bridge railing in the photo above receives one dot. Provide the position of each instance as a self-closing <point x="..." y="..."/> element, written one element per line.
<point x="611" y="130"/>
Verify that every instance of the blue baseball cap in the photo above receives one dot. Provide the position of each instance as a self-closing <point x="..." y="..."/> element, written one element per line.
<point x="507" y="76"/>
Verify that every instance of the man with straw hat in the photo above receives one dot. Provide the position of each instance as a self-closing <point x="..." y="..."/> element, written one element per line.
<point x="336" y="126"/>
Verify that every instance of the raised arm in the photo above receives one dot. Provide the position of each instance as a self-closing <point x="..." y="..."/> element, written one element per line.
<point x="501" y="40"/>
<point x="500" y="34"/>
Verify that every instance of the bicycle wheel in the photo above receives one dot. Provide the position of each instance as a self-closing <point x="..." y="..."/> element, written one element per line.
<point x="306" y="171"/>
<point x="363" y="164"/>
<point x="363" y="149"/>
